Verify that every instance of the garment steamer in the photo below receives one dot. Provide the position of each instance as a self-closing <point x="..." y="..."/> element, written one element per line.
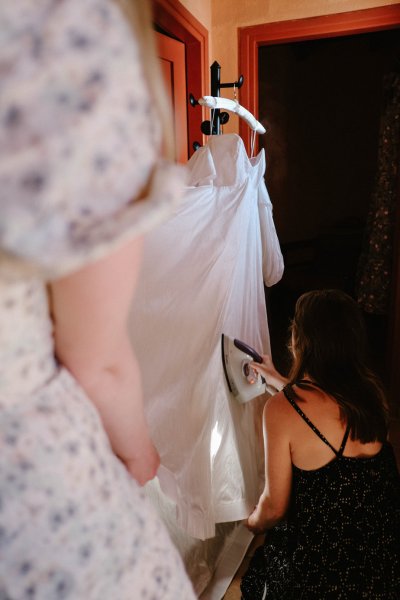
<point x="243" y="381"/>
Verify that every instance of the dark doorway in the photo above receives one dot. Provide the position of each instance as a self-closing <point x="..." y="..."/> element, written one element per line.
<point x="321" y="101"/>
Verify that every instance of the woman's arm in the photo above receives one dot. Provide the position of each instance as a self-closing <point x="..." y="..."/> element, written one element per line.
<point x="274" y="500"/>
<point x="90" y="310"/>
<point x="267" y="369"/>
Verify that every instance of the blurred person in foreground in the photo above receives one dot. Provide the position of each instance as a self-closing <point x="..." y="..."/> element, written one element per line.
<point x="83" y="132"/>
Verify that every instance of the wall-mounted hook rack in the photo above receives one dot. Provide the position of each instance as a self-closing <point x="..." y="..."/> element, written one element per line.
<point x="218" y="118"/>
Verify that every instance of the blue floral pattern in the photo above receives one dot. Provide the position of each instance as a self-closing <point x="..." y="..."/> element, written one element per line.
<point x="78" y="144"/>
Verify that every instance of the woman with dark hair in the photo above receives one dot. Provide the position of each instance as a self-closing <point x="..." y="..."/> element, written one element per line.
<point x="331" y="501"/>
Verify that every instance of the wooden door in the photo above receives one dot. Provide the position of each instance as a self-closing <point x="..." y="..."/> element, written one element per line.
<point x="173" y="64"/>
<point x="177" y="22"/>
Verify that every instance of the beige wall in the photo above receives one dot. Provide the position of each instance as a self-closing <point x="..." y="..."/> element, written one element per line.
<point x="201" y="9"/>
<point x="228" y="15"/>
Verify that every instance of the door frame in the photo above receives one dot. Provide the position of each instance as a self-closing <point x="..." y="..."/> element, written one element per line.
<point x="281" y="32"/>
<point x="174" y="19"/>
<point x="335" y="25"/>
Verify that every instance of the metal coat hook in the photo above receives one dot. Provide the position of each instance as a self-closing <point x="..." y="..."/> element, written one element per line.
<point x="213" y="126"/>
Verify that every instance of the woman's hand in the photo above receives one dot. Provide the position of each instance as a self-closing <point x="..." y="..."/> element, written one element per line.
<point x="271" y="375"/>
<point x="265" y="515"/>
<point x="144" y="465"/>
<point x="255" y="522"/>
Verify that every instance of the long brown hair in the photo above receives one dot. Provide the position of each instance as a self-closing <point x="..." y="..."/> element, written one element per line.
<point x="329" y="346"/>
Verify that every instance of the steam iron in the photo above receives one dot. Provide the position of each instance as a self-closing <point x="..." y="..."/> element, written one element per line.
<point x="243" y="381"/>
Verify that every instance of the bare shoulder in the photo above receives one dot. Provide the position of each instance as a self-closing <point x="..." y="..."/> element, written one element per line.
<point x="277" y="410"/>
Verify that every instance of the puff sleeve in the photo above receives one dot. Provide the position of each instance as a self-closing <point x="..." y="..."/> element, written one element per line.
<point x="79" y="138"/>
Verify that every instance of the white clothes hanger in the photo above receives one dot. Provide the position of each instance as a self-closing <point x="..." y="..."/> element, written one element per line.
<point x="232" y="106"/>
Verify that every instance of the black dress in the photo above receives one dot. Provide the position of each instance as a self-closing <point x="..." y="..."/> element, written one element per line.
<point x="341" y="539"/>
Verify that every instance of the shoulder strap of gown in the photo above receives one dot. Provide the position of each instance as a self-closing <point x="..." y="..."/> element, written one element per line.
<point x="290" y="396"/>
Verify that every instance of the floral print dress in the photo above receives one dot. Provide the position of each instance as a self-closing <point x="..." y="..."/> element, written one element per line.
<point x="78" y="140"/>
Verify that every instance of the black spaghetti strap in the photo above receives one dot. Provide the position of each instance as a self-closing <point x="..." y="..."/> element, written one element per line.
<point x="308" y="382"/>
<point x="344" y="441"/>
<point x="290" y="395"/>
